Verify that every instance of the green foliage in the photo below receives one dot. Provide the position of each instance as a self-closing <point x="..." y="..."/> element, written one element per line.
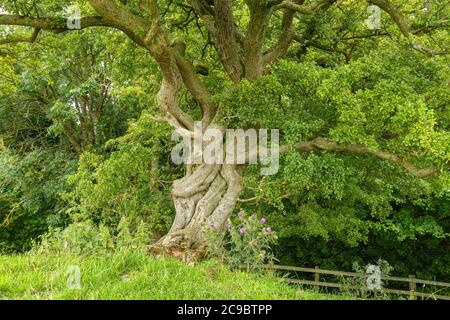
<point x="357" y="286"/>
<point x="127" y="183"/>
<point x="384" y="103"/>
<point x="279" y="100"/>
<point x="329" y="209"/>
<point x="86" y="238"/>
<point x="333" y="208"/>
<point x="67" y="93"/>
<point x="30" y="189"/>
<point x="9" y="79"/>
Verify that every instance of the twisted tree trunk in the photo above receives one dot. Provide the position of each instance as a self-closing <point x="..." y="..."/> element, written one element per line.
<point x="208" y="193"/>
<point x="205" y="198"/>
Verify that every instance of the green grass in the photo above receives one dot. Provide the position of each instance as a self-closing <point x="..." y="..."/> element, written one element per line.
<point x="131" y="275"/>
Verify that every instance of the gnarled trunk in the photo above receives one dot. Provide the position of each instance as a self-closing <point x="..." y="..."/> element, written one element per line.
<point x="204" y="198"/>
<point x="208" y="193"/>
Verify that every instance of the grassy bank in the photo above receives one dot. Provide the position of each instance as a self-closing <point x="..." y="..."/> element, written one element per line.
<point x="131" y="275"/>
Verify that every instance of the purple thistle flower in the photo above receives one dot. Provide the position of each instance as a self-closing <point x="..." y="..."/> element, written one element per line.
<point x="240" y="214"/>
<point x="263" y="220"/>
<point x="241" y="231"/>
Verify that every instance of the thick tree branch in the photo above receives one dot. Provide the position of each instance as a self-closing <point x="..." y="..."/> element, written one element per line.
<point x="254" y="38"/>
<point x="306" y="39"/>
<point x="226" y="39"/>
<point x="291" y="7"/>
<point x="157" y="42"/>
<point x="195" y="86"/>
<point x="201" y="9"/>
<point x="311" y="9"/>
<point x="108" y="19"/>
<point x="152" y="36"/>
<point x="328" y="145"/>
<point x="280" y="48"/>
<point x="134" y="26"/>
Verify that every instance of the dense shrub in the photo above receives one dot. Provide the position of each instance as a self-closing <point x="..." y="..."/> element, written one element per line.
<point x="131" y="182"/>
<point x="86" y="238"/>
<point x="30" y="195"/>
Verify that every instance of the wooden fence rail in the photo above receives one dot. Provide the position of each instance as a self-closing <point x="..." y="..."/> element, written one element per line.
<point x="316" y="283"/>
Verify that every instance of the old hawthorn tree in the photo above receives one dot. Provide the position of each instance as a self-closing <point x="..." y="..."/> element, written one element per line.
<point x="249" y="37"/>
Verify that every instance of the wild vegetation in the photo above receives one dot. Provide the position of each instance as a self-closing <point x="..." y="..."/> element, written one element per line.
<point x="359" y="91"/>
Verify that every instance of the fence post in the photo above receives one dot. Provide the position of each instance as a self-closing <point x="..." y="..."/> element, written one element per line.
<point x="316" y="279"/>
<point x="412" y="287"/>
